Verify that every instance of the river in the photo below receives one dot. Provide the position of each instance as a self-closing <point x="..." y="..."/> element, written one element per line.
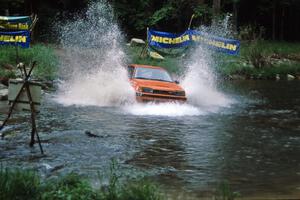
<point x="254" y="143"/>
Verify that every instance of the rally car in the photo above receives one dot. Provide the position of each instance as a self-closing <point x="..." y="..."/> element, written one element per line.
<point x="154" y="84"/>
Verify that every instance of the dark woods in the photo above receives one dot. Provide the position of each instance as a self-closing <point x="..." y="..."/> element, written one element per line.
<point x="270" y="19"/>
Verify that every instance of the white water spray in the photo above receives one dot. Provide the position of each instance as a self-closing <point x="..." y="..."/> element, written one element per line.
<point x="94" y="70"/>
<point x="199" y="82"/>
<point x="93" y="62"/>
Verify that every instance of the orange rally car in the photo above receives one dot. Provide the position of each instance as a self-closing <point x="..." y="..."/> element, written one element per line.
<point x="152" y="83"/>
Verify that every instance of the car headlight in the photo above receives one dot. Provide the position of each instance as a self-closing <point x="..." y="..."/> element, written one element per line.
<point x="147" y="90"/>
<point x="180" y="93"/>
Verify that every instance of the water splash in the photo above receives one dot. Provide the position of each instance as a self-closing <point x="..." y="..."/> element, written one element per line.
<point x="199" y="80"/>
<point x="164" y="109"/>
<point x="93" y="60"/>
<point x="94" y="73"/>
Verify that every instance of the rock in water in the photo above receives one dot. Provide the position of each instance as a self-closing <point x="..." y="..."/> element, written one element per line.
<point x="90" y="134"/>
<point x="290" y="77"/>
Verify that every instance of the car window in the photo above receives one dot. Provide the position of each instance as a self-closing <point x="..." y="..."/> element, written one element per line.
<point x="152" y="74"/>
<point x="130" y="71"/>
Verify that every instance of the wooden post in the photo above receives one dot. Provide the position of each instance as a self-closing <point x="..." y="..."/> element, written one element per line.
<point x="144" y="50"/>
<point x="191" y="20"/>
<point x="31" y="103"/>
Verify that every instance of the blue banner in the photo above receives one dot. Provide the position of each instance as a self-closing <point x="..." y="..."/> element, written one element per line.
<point x="169" y="40"/>
<point x="17" y="38"/>
<point x="17" y="19"/>
<point x="15" y="23"/>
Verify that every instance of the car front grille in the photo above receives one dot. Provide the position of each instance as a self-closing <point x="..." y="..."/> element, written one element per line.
<point x="173" y="93"/>
<point x="164" y="92"/>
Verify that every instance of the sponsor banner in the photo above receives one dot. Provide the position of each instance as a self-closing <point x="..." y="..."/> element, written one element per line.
<point x="169" y="40"/>
<point x="15" y="23"/>
<point x="224" y="45"/>
<point x="17" y="38"/>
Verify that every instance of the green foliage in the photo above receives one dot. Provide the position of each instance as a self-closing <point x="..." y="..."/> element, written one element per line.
<point x="163" y="13"/>
<point x="19" y="184"/>
<point x="141" y="190"/>
<point x="202" y="10"/>
<point x="113" y="190"/>
<point x="172" y="64"/>
<point x="270" y="59"/>
<point x="26" y="185"/>
<point x="70" y="187"/>
<point x="255" y="60"/>
<point x="138" y="12"/>
<point x="47" y="61"/>
<point x="224" y="192"/>
<point x="251" y="32"/>
<point x="256" y="55"/>
<point x="128" y="189"/>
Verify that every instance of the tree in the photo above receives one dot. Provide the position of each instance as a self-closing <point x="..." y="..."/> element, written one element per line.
<point x="216" y="7"/>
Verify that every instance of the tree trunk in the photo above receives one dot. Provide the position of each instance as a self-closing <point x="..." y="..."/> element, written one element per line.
<point x="235" y="17"/>
<point x="216" y="7"/>
<point x="282" y="23"/>
<point x="6" y="12"/>
<point x="274" y="21"/>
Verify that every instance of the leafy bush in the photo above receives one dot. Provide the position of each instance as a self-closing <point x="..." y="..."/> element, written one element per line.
<point x="224" y="192"/>
<point x="141" y="190"/>
<point x="19" y="184"/>
<point x="26" y="185"/>
<point x="69" y="187"/>
<point x="128" y="189"/>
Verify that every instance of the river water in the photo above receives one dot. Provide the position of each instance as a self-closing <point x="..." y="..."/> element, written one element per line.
<point x="254" y="143"/>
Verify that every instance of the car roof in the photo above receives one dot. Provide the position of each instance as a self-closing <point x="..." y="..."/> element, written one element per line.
<point x="146" y="66"/>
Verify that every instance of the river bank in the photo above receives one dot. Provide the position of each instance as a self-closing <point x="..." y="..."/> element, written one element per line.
<point x="47" y="62"/>
<point x="28" y="184"/>
<point x="260" y="60"/>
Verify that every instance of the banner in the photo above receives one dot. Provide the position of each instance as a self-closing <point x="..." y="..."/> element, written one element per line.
<point x="169" y="40"/>
<point x="15" y="23"/>
<point x="17" y="38"/>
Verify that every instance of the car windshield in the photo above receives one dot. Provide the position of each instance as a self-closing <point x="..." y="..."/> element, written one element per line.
<point x="152" y="74"/>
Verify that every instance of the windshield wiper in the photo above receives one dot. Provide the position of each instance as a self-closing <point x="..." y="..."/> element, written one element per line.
<point x="160" y="80"/>
<point x="153" y="79"/>
<point x="141" y="78"/>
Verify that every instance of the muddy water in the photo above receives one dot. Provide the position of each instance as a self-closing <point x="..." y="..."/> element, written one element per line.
<point x="254" y="143"/>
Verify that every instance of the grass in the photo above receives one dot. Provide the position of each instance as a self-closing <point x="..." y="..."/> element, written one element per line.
<point x="224" y="192"/>
<point x="263" y="60"/>
<point x="47" y="61"/>
<point x="172" y="64"/>
<point x="24" y="185"/>
<point x="27" y="185"/>
<point x="257" y="60"/>
<point x="19" y="184"/>
<point x="71" y="186"/>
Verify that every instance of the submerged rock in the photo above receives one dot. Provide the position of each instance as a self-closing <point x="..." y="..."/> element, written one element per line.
<point x="290" y="77"/>
<point x="90" y="134"/>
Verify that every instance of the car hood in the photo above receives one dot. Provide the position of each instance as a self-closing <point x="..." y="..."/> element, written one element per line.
<point x="156" y="85"/>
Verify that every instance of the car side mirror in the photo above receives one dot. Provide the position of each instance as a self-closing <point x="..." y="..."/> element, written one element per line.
<point x="177" y="82"/>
